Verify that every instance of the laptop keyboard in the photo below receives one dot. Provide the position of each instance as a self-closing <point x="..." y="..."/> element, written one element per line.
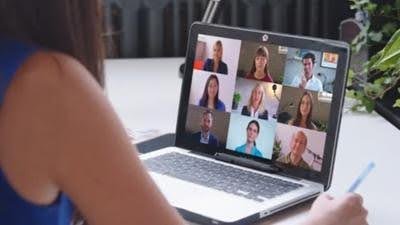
<point x="220" y="177"/>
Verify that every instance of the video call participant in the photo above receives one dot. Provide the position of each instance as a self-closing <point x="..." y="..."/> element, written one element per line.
<point x="210" y="98"/>
<point x="253" y="129"/>
<point x="298" y="145"/>
<point x="307" y="80"/>
<point x="205" y="136"/>
<point x="255" y="106"/>
<point x="304" y="112"/>
<point x="216" y="64"/>
<point x="259" y="70"/>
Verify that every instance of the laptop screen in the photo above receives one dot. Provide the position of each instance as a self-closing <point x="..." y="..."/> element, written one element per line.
<point x="265" y="100"/>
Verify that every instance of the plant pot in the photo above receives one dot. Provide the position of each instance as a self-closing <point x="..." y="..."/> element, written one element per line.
<point x="385" y="108"/>
<point x="235" y="105"/>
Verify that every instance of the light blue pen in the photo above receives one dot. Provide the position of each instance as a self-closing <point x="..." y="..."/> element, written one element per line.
<point x="362" y="176"/>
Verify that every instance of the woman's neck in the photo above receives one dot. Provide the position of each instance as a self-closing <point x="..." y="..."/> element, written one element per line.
<point x="259" y="74"/>
<point x="210" y="103"/>
<point x="303" y="122"/>
<point x="215" y="65"/>
<point x="249" y="147"/>
<point x="255" y="107"/>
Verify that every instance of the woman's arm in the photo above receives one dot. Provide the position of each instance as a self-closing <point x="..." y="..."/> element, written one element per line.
<point x="71" y="131"/>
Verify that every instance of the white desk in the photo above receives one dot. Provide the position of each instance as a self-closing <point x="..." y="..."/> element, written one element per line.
<point x="145" y="94"/>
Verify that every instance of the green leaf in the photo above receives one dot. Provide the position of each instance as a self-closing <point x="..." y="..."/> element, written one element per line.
<point x="398" y="90"/>
<point x="369" y="104"/>
<point x="389" y="28"/>
<point x="374" y="90"/>
<point x="350" y="77"/>
<point x="371" y="7"/>
<point x="375" y="36"/>
<point x="397" y="103"/>
<point x="390" y="54"/>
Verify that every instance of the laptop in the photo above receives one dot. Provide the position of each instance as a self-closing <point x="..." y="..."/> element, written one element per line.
<point x="257" y="126"/>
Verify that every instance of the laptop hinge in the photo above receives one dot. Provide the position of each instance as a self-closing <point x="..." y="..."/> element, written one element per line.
<point x="246" y="162"/>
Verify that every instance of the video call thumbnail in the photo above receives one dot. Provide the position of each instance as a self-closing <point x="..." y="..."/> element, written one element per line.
<point x="256" y="99"/>
<point x="217" y="55"/>
<point x="308" y="70"/>
<point x="262" y="62"/>
<point x="251" y="136"/>
<point x="303" y="108"/>
<point x="299" y="147"/>
<point x="207" y="126"/>
<point x="213" y="91"/>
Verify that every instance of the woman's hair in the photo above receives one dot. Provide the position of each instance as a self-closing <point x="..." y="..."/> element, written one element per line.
<point x="72" y="27"/>
<point x="261" y="51"/>
<point x="261" y="108"/>
<point x="297" y="120"/>
<point x="219" y="43"/>
<point x="204" y="98"/>
<point x="255" y="122"/>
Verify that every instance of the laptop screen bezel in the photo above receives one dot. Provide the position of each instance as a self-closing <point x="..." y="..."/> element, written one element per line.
<point x="322" y="45"/>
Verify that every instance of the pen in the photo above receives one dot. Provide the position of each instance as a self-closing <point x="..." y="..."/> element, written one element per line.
<point x="362" y="176"/>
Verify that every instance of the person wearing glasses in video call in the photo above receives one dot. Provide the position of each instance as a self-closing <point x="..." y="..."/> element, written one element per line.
<point x="63" y="147"/>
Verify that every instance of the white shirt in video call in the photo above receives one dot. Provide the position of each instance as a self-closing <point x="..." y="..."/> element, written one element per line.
<point x="314" y="84"/>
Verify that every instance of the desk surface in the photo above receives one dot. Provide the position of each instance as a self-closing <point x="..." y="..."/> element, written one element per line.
<point x="145" y="94"/>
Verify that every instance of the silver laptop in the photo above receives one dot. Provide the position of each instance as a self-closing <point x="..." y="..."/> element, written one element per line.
<point x="258" y="124"/>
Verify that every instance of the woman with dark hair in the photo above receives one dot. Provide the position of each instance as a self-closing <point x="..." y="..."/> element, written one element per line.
<point x="260" y="68"/>
<point x="61" y="141"/>
<point x="210" y="97"/>
<point x="252" y="131"/>
<point x="216" y="64"/>
<point x="304" y="112"/>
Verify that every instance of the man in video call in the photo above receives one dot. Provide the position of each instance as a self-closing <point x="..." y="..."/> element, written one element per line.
<point x="307" y="80"/>
<point x="204" y="135"/>
<point x="298" y="146"/>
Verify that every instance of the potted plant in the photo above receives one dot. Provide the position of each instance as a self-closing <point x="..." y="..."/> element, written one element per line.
<point x="236" y="99"/>
<point x="376" y="85"/>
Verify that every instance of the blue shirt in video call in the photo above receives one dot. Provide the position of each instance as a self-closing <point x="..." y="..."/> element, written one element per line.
<point x="254" y="150"/>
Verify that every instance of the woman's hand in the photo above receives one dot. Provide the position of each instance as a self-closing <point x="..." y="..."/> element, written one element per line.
<point x="345" y="210"/>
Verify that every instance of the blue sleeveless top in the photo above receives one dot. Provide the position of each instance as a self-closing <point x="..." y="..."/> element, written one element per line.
<point x="13" y="209"/>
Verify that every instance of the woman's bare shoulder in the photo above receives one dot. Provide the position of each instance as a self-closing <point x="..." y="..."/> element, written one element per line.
<point x="34" y="115"/>
<point x="48" y="69"/>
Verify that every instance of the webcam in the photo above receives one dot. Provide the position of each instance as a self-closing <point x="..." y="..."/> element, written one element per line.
<point x="265" y="37"/>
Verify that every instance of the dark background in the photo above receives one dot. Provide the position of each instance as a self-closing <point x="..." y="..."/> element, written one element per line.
<point x="159" y="28"/>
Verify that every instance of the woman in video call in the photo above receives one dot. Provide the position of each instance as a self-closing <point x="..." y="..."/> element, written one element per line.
<point x="304" y="112"/>
<point x="252" y="131"/>
<point x="259" y="70"/>
<point x="210" y="97"/>
<point x="63" y="147"/>
<point x="255" y="106"/>
<point x="216" y="64"/>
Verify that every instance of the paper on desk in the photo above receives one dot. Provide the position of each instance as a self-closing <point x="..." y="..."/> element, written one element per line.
<point x="137" y="136"/>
